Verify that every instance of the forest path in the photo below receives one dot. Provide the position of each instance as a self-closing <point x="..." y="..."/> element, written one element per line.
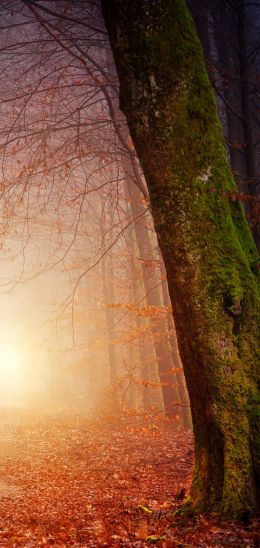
<point x="68" y="481"/>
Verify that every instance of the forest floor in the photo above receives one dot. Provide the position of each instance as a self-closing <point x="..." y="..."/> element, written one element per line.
<point x="69" y="481"/>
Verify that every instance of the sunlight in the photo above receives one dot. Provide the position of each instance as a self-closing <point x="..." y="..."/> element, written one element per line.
<point x="11" y="385"/>
<point x="10" y="362"/>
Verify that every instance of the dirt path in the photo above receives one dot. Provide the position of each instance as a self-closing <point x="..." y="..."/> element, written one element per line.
<point x="71" y="482"/>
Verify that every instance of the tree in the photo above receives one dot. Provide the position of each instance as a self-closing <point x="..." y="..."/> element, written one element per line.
<point x="210" y="257"/>
<point x="165" y="359"/>
<point x="229" y="34"/>
<point x="80" y="159"/>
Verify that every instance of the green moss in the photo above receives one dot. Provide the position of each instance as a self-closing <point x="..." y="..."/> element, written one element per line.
<point x="208" y="249"/>
<point x="215" y="237"/>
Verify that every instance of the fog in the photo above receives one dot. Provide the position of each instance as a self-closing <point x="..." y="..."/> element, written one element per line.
<point x="86" y="321"/>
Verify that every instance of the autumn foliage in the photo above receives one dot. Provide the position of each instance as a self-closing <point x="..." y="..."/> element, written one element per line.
<point x="69" y="481"/>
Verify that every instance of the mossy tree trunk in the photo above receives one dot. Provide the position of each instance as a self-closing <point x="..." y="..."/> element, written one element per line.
<point x="209" y="254"/>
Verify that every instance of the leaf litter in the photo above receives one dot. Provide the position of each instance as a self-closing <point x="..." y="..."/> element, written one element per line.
<point x="72" y="481"/>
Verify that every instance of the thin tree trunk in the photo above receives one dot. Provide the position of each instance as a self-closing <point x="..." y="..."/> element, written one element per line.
<point x="109" y="298"/>
<point x="153" y="299"/>
<point x="108" y="291"/>
<point x="230" y="87"/>
<point x="246" y="110"/>
<point x="148" y="358"/>
<point x="131" y="388"/>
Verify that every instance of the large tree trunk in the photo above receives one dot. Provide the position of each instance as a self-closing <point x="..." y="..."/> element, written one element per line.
<point x="210" y="258"/>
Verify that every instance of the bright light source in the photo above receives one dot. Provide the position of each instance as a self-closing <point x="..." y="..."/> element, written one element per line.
<point x="11" y="385"/>
<point x="10" y="363"/>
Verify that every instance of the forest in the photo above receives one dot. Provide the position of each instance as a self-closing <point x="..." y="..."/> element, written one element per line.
<point x="129" y="288"/>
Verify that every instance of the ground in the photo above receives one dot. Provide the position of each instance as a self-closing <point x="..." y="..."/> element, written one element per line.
<point x="71" y="481"/>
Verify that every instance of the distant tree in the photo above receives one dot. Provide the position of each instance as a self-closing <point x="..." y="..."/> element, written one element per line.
<point x="64" y="130"/>
<point x="210" y="257"/>
<point x="154" y="297"/>
<point x="229" y="33"/>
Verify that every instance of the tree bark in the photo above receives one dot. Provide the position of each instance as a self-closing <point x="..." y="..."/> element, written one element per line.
<point x="250" y="145"/>
<point x="147" y="350"/>
<point x="109" y="298"/>
<point x="234" y="82"/>
<point x="153" y="299"/>
<point x="178" y="375"/>
<point x="209" y="254"/>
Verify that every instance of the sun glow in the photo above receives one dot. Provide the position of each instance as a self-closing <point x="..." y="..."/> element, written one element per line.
<point x="23" y="374"/>
<point x="10" y="362"/>
<point x="10" y="372"/>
